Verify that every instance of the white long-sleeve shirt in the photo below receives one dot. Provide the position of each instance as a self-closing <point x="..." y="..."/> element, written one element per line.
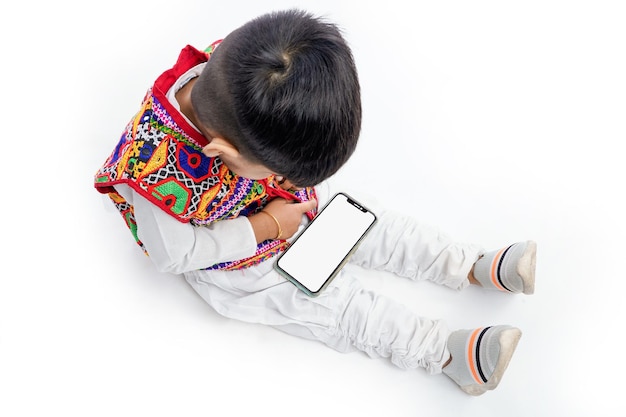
<point x="180" y="247"/>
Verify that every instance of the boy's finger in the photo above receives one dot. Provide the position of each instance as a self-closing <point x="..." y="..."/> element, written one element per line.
<point x="308" y="205"/>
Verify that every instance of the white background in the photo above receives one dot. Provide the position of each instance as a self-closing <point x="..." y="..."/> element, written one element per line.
<point x="496" y="121"/>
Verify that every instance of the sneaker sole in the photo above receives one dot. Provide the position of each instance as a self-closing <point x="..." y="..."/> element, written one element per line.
<point x="508" y="343"/>
<point x="526" y="267"/>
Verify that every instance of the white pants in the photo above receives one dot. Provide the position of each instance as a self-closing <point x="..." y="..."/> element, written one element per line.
<point x="345" y="316"/>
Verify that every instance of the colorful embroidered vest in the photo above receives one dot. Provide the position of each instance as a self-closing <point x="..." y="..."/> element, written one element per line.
<point x="159" y="155"/>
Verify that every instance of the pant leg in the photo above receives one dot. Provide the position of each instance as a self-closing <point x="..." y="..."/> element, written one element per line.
<point x="345" y="316"/>
<point x="401" y="245"/>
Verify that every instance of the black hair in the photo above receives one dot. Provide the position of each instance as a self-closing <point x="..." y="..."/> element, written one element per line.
<point x="283" y="88"/>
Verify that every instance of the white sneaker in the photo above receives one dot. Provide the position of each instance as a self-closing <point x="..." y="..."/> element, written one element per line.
<point x="480" y="357"/>
<point x="510" y="269"/>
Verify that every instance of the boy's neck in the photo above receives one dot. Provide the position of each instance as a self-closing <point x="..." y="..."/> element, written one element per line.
<point x="183" y="97"/>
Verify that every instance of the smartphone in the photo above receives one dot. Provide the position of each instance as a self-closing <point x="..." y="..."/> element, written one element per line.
<point x="323" y="247"/>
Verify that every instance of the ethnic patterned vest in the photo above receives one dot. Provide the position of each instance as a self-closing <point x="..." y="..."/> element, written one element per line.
<point x="160" y="156"/>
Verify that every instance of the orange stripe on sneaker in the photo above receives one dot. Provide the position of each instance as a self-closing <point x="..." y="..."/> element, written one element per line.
<point x="494" y="270"/>
<point x="471" y="356"/>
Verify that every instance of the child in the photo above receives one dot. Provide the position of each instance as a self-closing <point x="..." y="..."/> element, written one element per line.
<point x="228" y="158"/>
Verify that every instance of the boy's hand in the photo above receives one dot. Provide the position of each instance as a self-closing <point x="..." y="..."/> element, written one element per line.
<point x="285" y="213"/>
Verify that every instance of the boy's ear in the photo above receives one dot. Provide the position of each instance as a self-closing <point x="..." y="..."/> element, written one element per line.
<point x="219" y="146"/>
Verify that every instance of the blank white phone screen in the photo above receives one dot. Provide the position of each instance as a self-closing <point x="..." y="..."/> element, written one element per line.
<point x="322" y="247"/>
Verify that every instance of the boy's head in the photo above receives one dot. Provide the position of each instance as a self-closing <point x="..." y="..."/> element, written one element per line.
<point x="283" y="90"/>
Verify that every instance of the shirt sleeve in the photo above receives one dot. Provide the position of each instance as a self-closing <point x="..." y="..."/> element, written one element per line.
<point x="178" y="247"/>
